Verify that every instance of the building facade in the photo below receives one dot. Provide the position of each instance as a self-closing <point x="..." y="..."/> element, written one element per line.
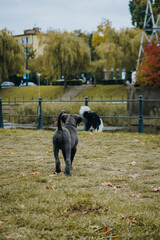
<point x="30" y="39"/>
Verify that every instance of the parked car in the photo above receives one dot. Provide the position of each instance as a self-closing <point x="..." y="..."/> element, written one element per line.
<point x="31" y="84"/>
<point x="7" y="84"/>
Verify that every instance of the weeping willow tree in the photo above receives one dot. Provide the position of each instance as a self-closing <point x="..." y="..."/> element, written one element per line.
<point x="65" y="54"/>
<point x="116" y="49"/>
<point x="12" y="58"/>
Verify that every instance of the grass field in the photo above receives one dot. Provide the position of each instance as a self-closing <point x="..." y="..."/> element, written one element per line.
<point x="29" y="93"/>
<point x="55" y="92"/>
<point x="113" y="192"/>
<point x="115" y="92"/>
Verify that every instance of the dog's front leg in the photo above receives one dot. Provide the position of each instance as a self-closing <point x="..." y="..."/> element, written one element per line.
<point x="67" y="159"/>
<point x="57" y="161"/>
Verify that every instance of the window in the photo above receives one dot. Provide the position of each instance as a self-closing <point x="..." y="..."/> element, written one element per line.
<point x="25" y="40"/>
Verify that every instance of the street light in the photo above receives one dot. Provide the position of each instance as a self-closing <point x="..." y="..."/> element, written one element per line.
<point x="40" y="121"/>
<point x="38" y="78"/>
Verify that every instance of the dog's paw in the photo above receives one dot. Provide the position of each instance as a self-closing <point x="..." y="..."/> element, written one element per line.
<point x="68" y="174"/>
<point x="67" y="171"/>
<point x="58" y="170"/>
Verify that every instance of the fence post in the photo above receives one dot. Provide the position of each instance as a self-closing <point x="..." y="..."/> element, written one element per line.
<point x="1" y="115"/>
<point x="40" y="122"/>
<point x="140" y="125"/>
<point x="86" y="101"/>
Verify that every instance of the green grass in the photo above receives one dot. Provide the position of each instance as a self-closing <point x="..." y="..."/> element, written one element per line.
<point x="29" y="93"/>
<point x="80" y="206"/>
<point x="55" y="92"/>
<point x="114" y="92"/>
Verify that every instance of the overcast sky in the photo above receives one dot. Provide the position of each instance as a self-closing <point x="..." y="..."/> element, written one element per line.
<point x="69" y="15"/>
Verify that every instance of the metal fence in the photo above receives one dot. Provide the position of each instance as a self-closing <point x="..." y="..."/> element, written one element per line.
<point x="140" y="117"/>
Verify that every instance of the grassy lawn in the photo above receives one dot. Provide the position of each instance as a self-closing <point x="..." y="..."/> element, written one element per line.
<point x="105" y="198"/>
<point x="29" y="93"/>
<point x="55" y="92"/>
<point x="114" y="92"/>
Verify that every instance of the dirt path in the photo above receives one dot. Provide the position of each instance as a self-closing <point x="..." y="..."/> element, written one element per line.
<point x="74" y="92"/>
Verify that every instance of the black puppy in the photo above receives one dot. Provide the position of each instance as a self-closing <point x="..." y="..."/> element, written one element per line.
<point x="91" y="119"/>
<point x="66" y="139"/>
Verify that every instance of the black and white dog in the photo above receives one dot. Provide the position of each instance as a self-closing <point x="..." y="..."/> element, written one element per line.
<point x="91" y="119"/>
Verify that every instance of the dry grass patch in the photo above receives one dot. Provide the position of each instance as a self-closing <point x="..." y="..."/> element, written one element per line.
<point x="109" y="195"/>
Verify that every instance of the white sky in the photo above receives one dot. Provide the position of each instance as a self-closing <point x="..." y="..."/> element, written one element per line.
<point x="69" y="15"/>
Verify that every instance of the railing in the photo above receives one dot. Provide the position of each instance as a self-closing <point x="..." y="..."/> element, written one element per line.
<point x="86" y="101"/>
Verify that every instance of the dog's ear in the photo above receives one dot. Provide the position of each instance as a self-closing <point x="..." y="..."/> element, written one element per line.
<point x="78" y="118"/>
<point x="64" y="117"/>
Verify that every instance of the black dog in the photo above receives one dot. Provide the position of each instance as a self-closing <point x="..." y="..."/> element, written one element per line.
<point x="91" y="119"/>
<point x="66" y="139"/>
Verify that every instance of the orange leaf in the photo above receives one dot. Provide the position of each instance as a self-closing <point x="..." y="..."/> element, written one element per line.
<point x="10" y="153"/>
<point x="129" y="219"/>
<point x="22" y="175"/>
<point x="110" y="184"/>
<point x="1" y="223"/>
<point x="114" y="236"/>
<point x="49" y="187"/>
<point x="106" y="229"/>
<point x="35" y="173"/>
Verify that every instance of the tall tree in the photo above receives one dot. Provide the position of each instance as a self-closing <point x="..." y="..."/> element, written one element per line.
<point x="137" y="9"/>
<point x="12" y="58"/>
<point x="65" y="54"/>
<point x="116" y="49"/>
<point x="148" y="74"/>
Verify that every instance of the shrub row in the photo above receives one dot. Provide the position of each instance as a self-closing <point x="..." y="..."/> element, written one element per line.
<point x="69" y="82"/>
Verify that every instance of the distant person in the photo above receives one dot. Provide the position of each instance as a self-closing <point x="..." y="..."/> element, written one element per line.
<point x="133" y="77"/>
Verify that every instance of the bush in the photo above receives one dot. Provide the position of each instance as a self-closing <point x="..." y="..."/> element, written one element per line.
<point x="69" y="83"/>
<point x="48" y="109"/>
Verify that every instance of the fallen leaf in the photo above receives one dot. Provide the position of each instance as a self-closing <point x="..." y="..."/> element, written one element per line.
<point x="156" y="189"/>
<point x="1" y="186"/>
<point x="10" y="153"/>
<point x="133" y="175"/>
<point x="35" y="173"/>
<point x="49" y="152"/>
<point x="127" y="232"/>
<point x="1" y="223"/>
<point x="55" y="174"/>
<point x="129" y="219"/>
<point x="115" y="187"/>
<point x="22" y="175"/>
<point x="50" y="187"/>
<point x="131" y="163"/>
<point x="113" y="236"/>
<point x="106" y="229"/>
<point x="110" y="184"/>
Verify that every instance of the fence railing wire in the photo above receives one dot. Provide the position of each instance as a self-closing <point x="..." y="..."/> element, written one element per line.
<point x="86" y="101"/>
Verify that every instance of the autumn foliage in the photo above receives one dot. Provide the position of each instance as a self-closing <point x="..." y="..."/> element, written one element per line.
<point x="148" y="74"/>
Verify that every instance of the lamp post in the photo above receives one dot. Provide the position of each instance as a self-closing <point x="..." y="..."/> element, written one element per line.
<point x="38" y="80"/>
<point x="40" y="121"/>
<point x="27" y="72"/>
